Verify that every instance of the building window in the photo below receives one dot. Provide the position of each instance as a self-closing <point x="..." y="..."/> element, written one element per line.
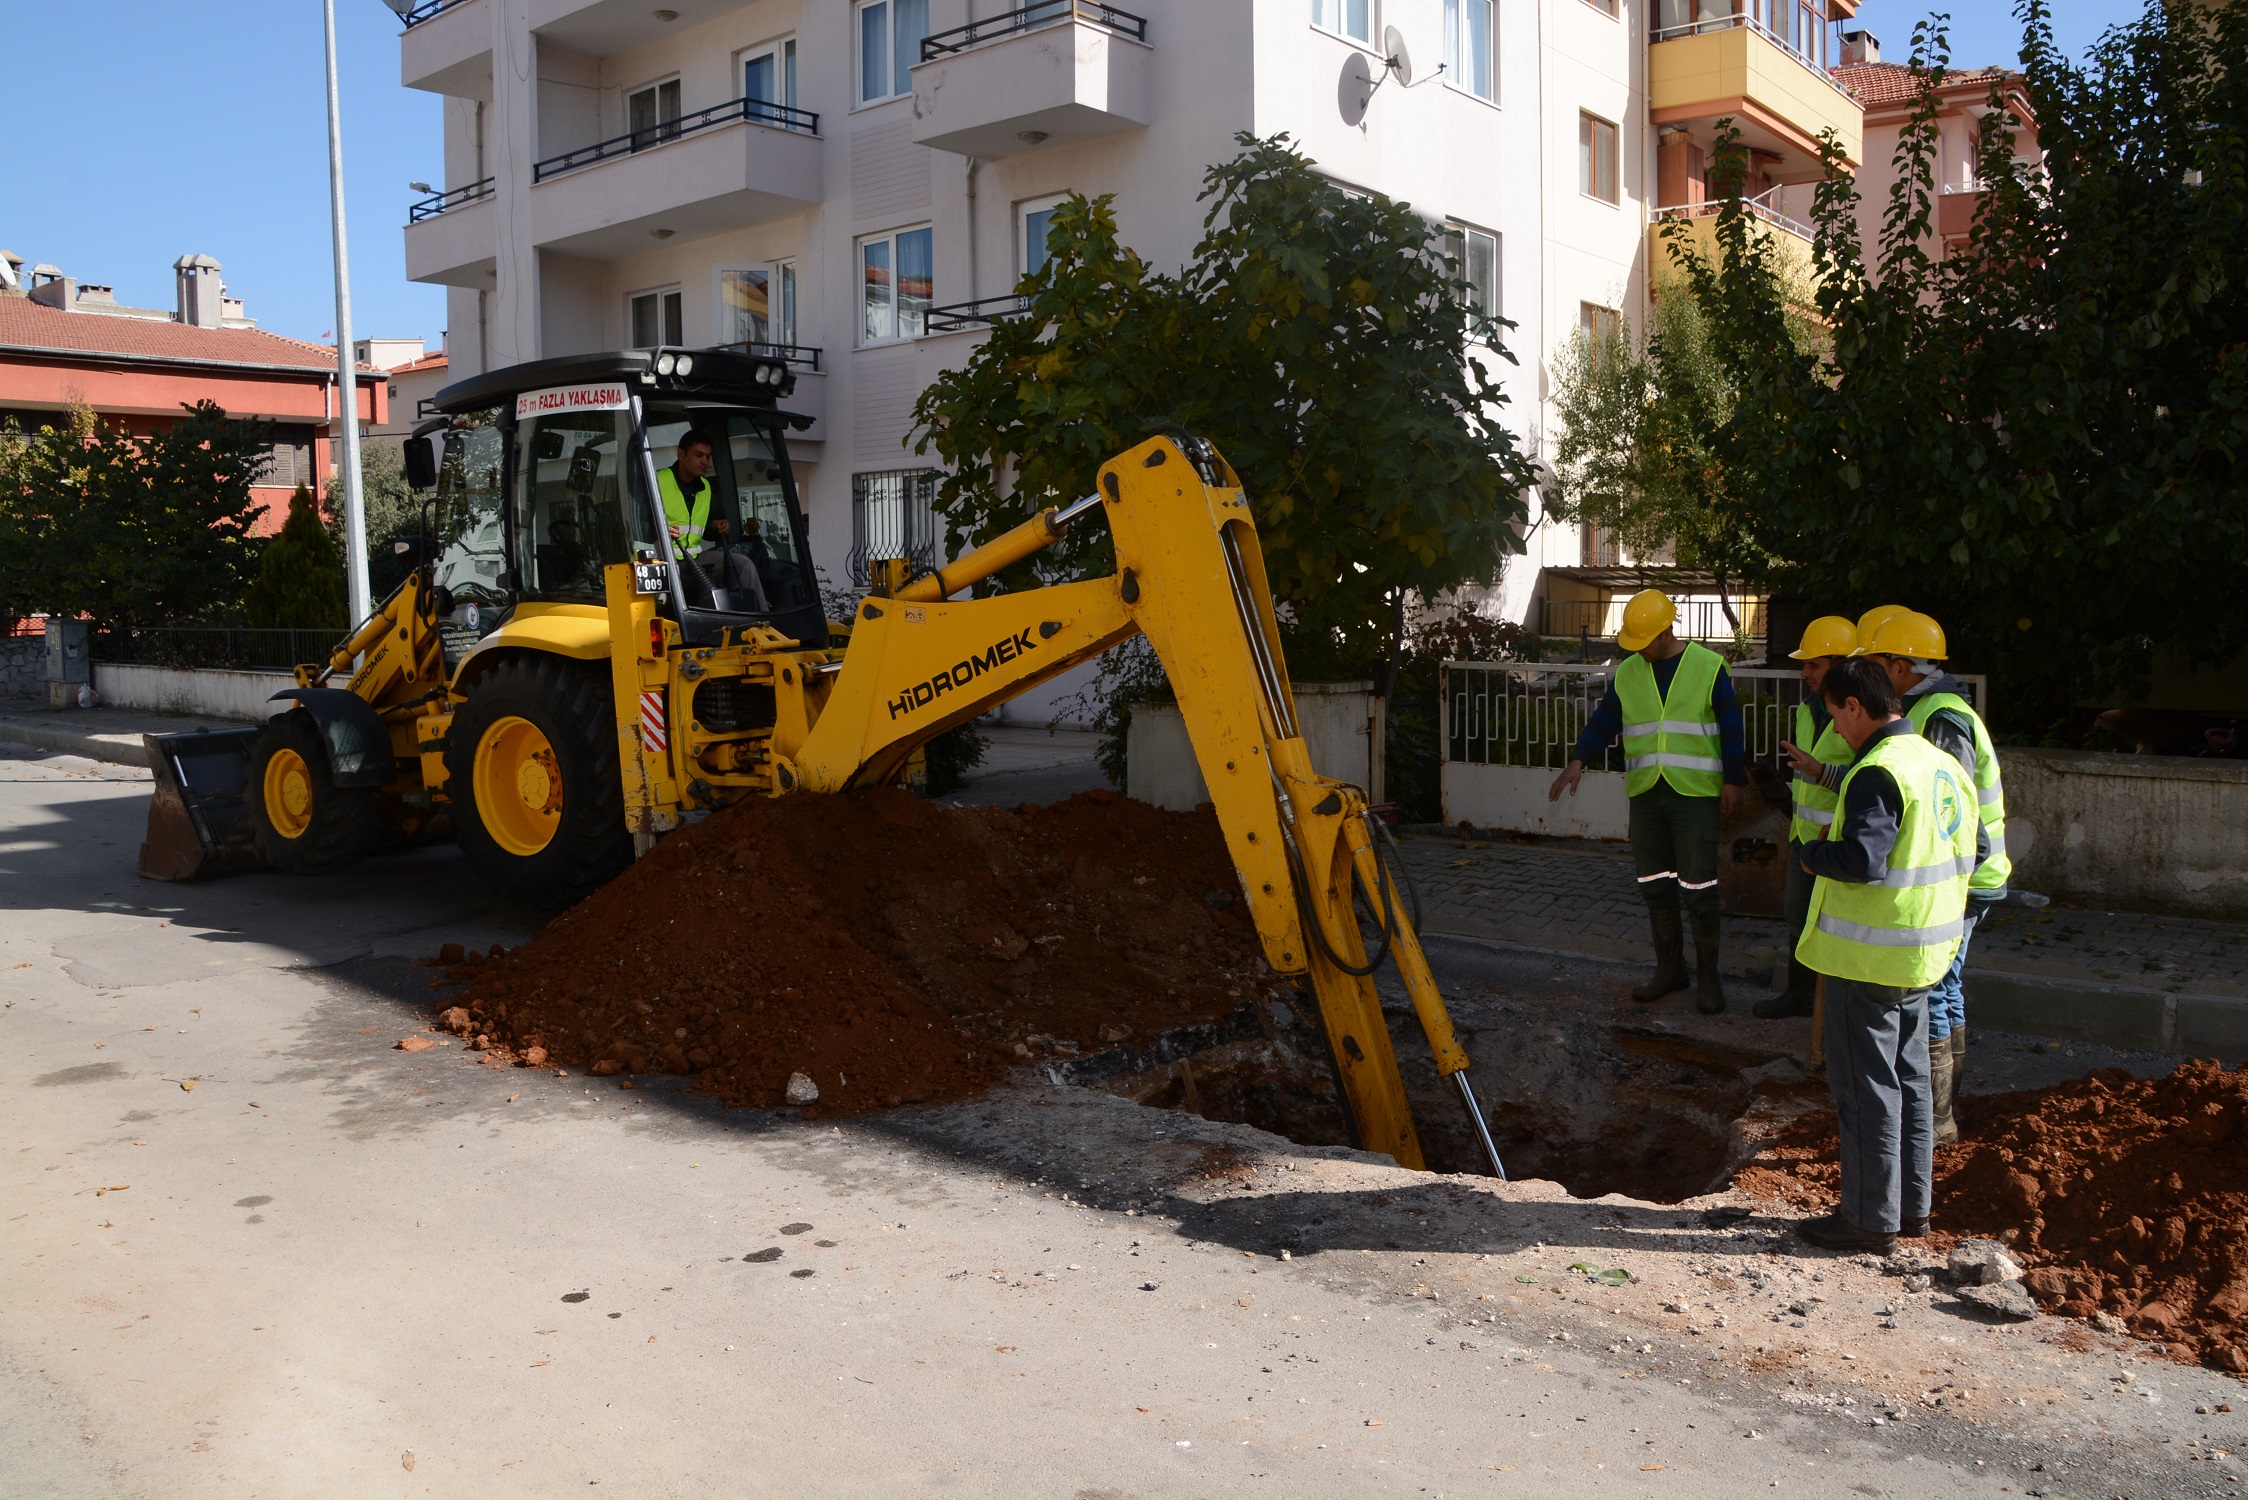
<point x="1596" y="158"/>
<point x="1475" y="260"/>
<point x="893" y="514"/>
<point x="1600" y="325"/>
<point x="757" y="304"/>
<point x="652" y="114"/>
<point x="658" y="318"/>
<point x="897" y="277"/>
<point x="890" y="33"/>
<point x="1034" y="219"/>
<point x="1350" y="18"/>
<point x="769" y="75"/>
<point x="1471" y="46"/>
<point x="1605" y="7"/>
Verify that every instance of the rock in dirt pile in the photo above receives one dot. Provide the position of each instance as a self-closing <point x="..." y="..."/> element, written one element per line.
<point x="889" y="950"/>
<point x="2121" y="1196"/>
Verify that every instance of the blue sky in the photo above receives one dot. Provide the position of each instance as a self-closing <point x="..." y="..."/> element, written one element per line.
<point x="147" y="129"/>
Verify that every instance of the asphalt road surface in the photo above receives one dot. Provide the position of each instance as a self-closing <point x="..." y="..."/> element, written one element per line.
<point x="251" y="1248"/>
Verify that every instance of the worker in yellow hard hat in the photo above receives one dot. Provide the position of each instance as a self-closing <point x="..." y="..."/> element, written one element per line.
<point x="1672" y="705"/>
<point x="1911" y="647"/>
<point x="1819" y="756"/>
<point x="1871" y="620"/>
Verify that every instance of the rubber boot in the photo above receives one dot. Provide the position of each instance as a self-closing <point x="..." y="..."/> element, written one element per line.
<point x="1670" y="955"/>
<point x="1940" y="1081"/>
<point x="1709" y="990"/>
<point x="1796" y="1000"/>
<point x="1958" y="1076"/>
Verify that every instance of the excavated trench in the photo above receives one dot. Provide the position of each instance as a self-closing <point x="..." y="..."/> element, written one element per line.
<point x="1575" y="1098"/>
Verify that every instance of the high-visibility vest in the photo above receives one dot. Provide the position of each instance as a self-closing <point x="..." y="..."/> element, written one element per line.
<point x="1672" y="736"/>
<point x="1902" y="929"/>
<point x="1815" y="802"/>
<point x="1990" y="794"/>
<point x="687" y="519"/>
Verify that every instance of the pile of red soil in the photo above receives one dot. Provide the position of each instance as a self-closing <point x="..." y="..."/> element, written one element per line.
<point x="890" y="950"/>
<point x="2121" y="1195"/>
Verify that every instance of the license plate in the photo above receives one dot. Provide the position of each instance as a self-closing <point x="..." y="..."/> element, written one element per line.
<point x="651" y="578"/>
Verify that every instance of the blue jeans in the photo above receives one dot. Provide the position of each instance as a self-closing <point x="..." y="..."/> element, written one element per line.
<point x="1947" y="1002"/>
<point x="1877" y="1069"/>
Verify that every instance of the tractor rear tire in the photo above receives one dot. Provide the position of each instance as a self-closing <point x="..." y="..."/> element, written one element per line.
<point x="303" y="822"/>
<point x="537" y="795"/>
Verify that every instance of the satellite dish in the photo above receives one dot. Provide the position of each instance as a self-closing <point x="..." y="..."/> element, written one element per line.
<point x="1395" y="57"/>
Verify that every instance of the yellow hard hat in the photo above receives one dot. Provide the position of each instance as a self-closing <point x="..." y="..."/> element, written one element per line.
<point x="1907" y="633"/>
<point x="1871" y="620"/>
<point x="1828" y="635"/>
<point x="1648" y="615"/>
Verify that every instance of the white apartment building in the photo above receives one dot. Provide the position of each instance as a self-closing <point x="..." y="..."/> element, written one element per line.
<point x="864" y="181"/>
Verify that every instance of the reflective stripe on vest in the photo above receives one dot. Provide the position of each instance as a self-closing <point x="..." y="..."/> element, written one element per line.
<point x="1815" y="801"/>
<point x="1660" y="743"/>
<point x="1990" y="792"/>
<point x="686" y="522"/>
<point x="1902" y="930"/>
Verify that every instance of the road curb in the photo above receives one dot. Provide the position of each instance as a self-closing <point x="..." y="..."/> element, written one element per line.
<point x="117" y="750"/>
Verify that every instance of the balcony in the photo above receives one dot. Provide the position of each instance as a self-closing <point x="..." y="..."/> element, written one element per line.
<point x="452" y="237"/>
<point x="611" y="28"/>
<point x="1790" y="240"/>
<point x="1957" y="209"/>
<point x="447" y="49"/>
<point x="1731" y="66"/>
<point x="1054" y="71"/>
<point x="736" y="164"/>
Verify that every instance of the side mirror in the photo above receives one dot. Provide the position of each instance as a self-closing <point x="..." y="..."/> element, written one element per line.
<point x="421" y="462"/>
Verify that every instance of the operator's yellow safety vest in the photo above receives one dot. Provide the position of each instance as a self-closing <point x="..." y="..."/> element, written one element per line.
<point x="687" y="519"/>
<point x="1672" y="737"/>
<point x="1902" y="929"/>
<point x="1815" y="802"/>
<point x="1990" y="795"/>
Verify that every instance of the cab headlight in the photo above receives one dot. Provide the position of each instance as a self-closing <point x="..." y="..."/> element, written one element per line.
<point x="664" y="364"/>
<point x="685" y="365"/>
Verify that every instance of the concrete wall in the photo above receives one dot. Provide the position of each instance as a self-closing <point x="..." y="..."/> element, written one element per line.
<point x="178" y="690"/>
<point x="1336" y="718"/>
<point x="2141" y="832"/>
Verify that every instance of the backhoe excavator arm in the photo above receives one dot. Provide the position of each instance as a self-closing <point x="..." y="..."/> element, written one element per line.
<point x="1190" y="577"/>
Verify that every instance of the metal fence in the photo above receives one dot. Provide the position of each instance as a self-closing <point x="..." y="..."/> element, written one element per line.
<point x="1531" y="713"/>
<point x="893" y="514"/>
<point x="1698" y="619"/>
<point x="756" y="111"/>
<point x="238" y="647"/>
<point x="1033" y="17"/>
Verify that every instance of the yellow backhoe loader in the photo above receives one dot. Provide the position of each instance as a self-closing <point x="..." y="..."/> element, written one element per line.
<point x="562" y="686"/>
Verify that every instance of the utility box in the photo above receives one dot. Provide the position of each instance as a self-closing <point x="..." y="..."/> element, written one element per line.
<point x="70" y="660"/>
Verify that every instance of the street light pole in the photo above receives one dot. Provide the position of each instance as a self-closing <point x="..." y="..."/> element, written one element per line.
<point x="347" y="368"/>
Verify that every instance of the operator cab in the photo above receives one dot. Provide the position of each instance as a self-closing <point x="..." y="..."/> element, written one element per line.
<point x="549" y="476"/>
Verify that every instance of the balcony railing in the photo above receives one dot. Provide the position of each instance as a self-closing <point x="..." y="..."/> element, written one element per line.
<point x="804" y="356"/>
<point x="1033" y="17"/>
<point x="1710" y="208"/>
<point x="1698" y="619"/>
<point x="437" y="203"/>
<point x="956" y="316"/>
<point x="426" y="10"/>
<point x="1755" y="22"/>
<point x="756" y="111"/>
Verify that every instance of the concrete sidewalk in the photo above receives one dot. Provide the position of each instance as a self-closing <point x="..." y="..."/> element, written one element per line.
<point x="2126" y="979"/>
<point x="108" y="734"/>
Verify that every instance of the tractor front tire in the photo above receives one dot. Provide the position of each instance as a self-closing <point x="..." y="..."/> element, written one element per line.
<point x="303" y="822"/>
<point x="538" y="798"/>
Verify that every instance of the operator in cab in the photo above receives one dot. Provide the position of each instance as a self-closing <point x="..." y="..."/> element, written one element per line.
<point x="686" y="491"/>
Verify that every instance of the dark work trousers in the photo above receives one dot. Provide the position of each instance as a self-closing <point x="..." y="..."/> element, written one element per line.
<point x="1795" y="909"/>
<point x="1674" y="849"/>
<point x="1877" y="1069"/>
<point x="1947" y="1003"/>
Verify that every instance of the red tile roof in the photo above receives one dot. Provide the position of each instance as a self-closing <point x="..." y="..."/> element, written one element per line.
<point x="26" y="325"/>
<point x="426" y="362"/>
<point x="1881" y="83"/>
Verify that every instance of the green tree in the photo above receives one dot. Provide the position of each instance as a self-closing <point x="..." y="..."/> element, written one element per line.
<point x="2038" y="439"/>
<point x="129" y="530"/>
<point x="300" y="573"/>
<point x="393" y="511"/>
<point x="1320" y="338"/>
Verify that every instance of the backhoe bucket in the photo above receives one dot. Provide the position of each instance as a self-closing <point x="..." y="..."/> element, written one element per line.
<point x="199" y="818"/>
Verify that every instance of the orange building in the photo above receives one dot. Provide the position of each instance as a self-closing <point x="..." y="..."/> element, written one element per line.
<point x="63" y="343"/>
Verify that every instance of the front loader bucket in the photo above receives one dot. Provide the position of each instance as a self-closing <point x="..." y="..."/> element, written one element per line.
<point x="199" y="818"/>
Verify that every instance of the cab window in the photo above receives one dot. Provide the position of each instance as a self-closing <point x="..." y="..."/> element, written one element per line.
<point x="752" y="491"/>
<point x="471" y="554"/>
<point x="579" y="507"/>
